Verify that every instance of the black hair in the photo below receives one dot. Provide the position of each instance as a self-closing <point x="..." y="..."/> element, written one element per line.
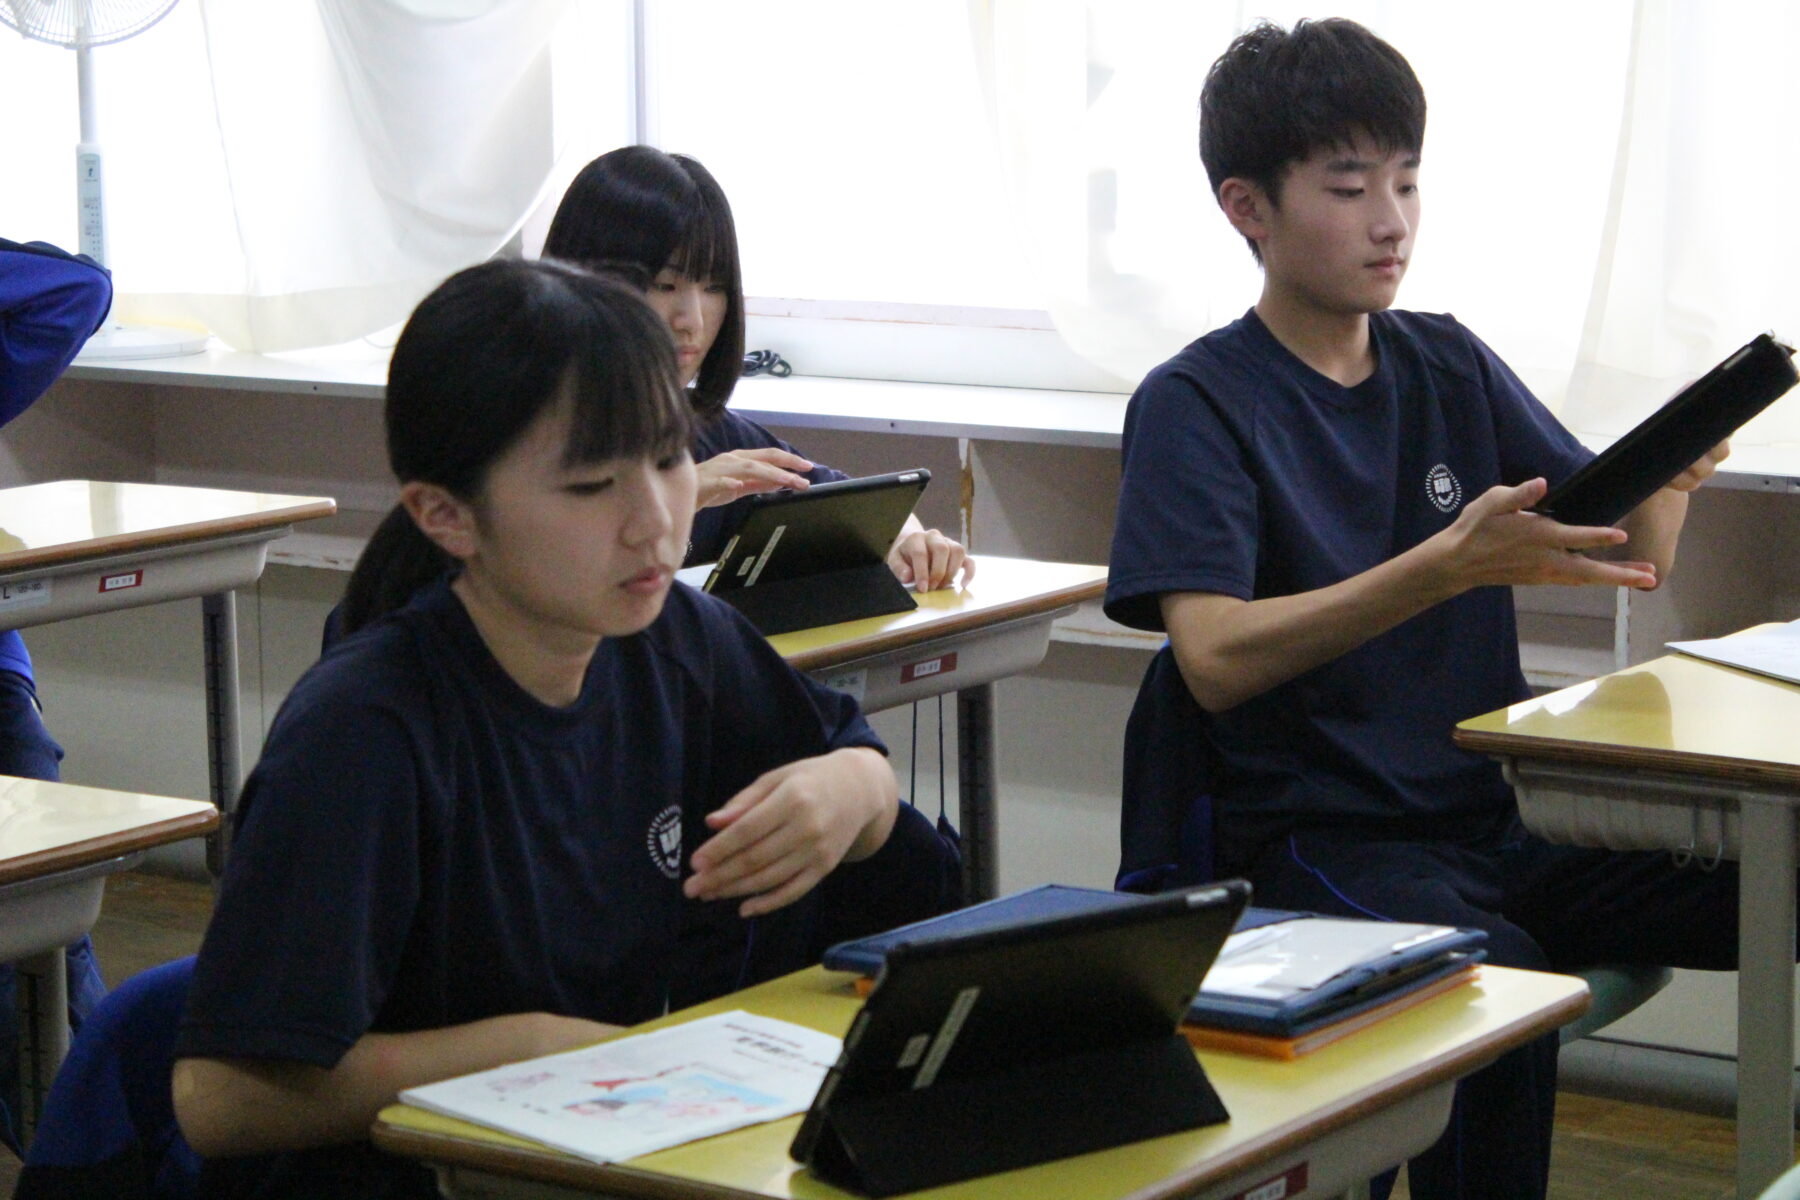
<point x="635" y="210"/>
<point x="480" y="359"/>
<point x="1274" y="97"/>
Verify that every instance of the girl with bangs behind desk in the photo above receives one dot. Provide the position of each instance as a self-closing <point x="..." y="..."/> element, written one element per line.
<point x="538" y="796"/>
<point x="662" y="222"/>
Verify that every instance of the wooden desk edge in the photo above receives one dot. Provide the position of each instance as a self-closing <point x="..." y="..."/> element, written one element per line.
<point x="540" y="1166"/>
<point x="126" y="543"/>
<point x="80" y="854"/>
<point x="551" y="1166"/>
<point x="1417" y="1078"/>
<point x="888" y="641"/>
<point x="1639" y="758"/>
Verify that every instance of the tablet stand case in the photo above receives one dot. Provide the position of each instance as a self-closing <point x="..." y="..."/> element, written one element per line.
<point x="1004" y="1047"/>
<point x="777" y="606"/>
<point x="894" y="1142"/>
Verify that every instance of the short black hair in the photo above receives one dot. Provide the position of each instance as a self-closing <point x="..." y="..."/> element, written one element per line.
<point x="635" y="210"/>
<point x="1276" y="96"/>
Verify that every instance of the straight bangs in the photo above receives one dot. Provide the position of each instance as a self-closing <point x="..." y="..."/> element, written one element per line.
<point x="621" y="384"/>
<point x="1343" y="108"/>
<point x="707" y="249"/>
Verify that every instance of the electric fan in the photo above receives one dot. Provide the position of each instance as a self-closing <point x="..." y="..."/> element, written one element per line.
<point x="80" y="25"/>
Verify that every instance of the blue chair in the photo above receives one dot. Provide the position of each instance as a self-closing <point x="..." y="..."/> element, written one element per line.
<point x="108" y="1126"/>
<point x="1166" y="825"/>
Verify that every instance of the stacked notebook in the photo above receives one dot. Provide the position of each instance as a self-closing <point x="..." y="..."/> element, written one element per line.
<point x="1285" y="984"/>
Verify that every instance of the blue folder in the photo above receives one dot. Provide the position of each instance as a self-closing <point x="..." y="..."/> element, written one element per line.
<point x="1377" y="979"/>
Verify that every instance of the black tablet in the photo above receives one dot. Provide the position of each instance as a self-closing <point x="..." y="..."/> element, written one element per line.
<point x="997" y="1048"/>
<point x="801" y="559"/>
<point x="1673" y="438"/>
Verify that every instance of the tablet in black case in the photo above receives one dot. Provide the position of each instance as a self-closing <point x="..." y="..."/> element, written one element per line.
<point x="804" y="559"/>
<point x="1673" y="438"/>
<point x="999" y="1048"/>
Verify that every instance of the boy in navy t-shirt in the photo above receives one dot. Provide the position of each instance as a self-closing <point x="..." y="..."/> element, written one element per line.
<point x="1323" y="504"/>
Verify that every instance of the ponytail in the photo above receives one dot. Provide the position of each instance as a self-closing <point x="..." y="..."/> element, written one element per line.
<point x="398" y="561"/>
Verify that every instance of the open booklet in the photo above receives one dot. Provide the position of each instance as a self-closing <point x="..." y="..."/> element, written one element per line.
<point x="633" y="1095"/>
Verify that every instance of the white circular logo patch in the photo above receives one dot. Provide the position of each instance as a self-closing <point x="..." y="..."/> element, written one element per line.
<point x="1443" y="488"/>
<point x="664" y="841"/>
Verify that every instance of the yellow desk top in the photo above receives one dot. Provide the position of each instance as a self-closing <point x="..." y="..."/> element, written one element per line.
<point x="1004" y="589"/>
<point x="1275" y="1106"/>
<point x="51" y="827"/>
<point x="46" y="524"/>
<point x="1674" y="713"/>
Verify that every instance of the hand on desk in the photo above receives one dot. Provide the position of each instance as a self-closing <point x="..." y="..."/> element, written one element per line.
<point x="736" y="473"/>
<point x="776" y="839"/>
<point x="925" y="560"/>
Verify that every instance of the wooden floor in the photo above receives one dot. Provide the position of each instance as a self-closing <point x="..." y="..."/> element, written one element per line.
<point x="1604" y="1149"/>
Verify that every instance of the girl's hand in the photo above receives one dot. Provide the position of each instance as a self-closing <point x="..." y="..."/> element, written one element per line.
<point x="926" y="560"/>
<point x="725" y="477"/>
<point x="780" y="836"/>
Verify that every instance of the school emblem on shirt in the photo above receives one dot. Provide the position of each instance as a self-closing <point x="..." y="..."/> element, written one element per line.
<point x="1443" y="488"/>
<point x="664" y="841"/>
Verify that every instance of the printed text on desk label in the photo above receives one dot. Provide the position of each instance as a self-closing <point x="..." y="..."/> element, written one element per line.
<point x="852" y="683"/>
<point x="121" y="581"/>
<point x="30" y="594"/>
<point x="943" y="664"/>
<point x="1290" y="1182"/>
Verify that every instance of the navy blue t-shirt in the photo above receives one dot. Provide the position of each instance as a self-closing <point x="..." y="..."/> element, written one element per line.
<point x="728" y="431"/>
<point x="1249" y="474"/>
<point x="423" y="844"/>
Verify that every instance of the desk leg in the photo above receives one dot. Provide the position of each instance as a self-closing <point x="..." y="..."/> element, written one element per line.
<point x="975" y="792"/>
<point x="1765" y="1072"/>
<point x="48" y="980"/>
<point x="218" y="616"/>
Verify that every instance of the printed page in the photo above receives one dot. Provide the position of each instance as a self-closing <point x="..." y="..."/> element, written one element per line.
<point x="1772" y="652"/>
<point x="628" y="1097"/>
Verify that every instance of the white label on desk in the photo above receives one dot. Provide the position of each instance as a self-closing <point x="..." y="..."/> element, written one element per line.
<point x="852" y="683"/>
<point x="121" y="581"/>
<point x="33" y="593"/>
<point x="1290" y="1182"/>
<point x="943" y="664"/>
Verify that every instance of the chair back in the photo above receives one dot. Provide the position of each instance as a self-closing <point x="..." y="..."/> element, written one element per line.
<point x="108" y="1126"/>
<point x="1166" y="813"/>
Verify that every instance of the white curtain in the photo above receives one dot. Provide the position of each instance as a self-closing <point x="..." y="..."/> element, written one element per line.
<point x="296" y="173"/>
<point x="1608" y="185"/>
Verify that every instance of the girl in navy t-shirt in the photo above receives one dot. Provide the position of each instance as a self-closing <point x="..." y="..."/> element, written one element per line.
<point x="546" y="794"/>
<point x="662" y="222"/>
